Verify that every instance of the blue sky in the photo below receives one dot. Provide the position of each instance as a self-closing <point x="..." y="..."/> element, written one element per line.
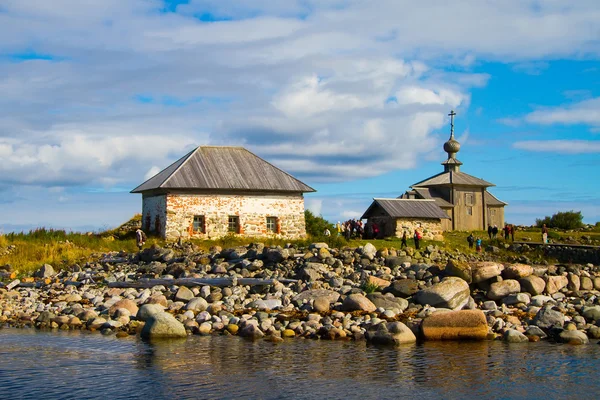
<point x="349" y="97"/>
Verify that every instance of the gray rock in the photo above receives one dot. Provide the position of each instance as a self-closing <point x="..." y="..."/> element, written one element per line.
<point x="451" y="292"/>
<point x="321" y="304"/>
<point x="395" y="333"/>
<point x="388" y="302"/>
<point x="403" y="288"/>
<point x="146" y="311"/>
<point x="540" y="300"/>
<point x="519" y="298"/>
<point x="482" y="271"/>
<point x="536" y="331"/>
<point x="548" y="318"/>
<point x="369" y="251"/>
<point x="514" y="336"/>
<point x="46" y="271"/>
<point x="163" y="325"/>
<point x="573" y="337"/>
<point x="197" y="304"/>
<point x="251" y="331"/>
<point x="591" y="313"/>
<point x="270" y="304"/>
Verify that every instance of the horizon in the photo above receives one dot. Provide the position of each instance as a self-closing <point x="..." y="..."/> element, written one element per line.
<point x="349" y="98"/>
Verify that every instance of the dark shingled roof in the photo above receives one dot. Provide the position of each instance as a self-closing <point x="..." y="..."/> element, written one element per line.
<point x="492" y="200"/>
<point x="453" y="178"/>
<point x="223" y="168"/>
<point x="407" y="208"/>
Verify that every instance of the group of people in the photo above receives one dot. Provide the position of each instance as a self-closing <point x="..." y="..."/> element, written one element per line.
<point x="353" y="228"/>
<point x="508" y="230"/>
<point x="417" y="236"/>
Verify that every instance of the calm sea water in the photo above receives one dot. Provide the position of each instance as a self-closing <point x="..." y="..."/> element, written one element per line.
<point x="76" y="365"/>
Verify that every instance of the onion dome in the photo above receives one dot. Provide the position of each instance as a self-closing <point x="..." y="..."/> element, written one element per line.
<point x="451" y="146"/>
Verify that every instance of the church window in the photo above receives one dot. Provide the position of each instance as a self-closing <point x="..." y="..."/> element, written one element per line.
<point x="233" y="224"/>
<point x="469" y="199"/>
<point x="493" y="212"/>
<point x="469" y="210"/>
<point x="272" y="224"/>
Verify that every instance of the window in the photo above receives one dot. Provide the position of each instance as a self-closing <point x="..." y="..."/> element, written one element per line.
<point x="469" y="199"/>
<point x="233" y="224"/>
<point x="469" y="210"/>
<point x="199" y="224"/>
<point x="272" y="224"/>
<point x="493" y="212"/>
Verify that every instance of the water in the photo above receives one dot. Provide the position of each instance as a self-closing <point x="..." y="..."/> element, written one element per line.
<point x="79" y="365"/>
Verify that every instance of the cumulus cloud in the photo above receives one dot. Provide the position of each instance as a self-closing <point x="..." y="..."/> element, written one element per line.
<point x="560" y="146"/>
<point x="106" y="93"/>
<point x="584" y="112"/>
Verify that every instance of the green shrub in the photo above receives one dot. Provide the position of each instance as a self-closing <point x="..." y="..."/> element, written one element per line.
<point x="562" y="220"/>
<point x="315" y="226"/>
<point x="369" y="287"/>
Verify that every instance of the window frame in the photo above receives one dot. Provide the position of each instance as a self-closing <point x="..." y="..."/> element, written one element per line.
<point x="233" y="223"/>
<point x="271" y="224"/>
<point x="199" y="224"/>
<point x="470" y="210"/>
<point x="469" y="199"/>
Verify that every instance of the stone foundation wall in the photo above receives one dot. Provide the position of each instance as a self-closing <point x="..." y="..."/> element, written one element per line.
<point x="431" y="229"/>
<point x="252" y="211"/>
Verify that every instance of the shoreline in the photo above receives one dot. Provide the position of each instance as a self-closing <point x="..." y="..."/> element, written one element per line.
<point x="382" y="296"/>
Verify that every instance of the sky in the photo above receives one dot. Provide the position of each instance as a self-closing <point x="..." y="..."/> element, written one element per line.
<point x="351" y="97"/>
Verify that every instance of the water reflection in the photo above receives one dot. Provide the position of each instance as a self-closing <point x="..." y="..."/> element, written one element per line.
<point x="80" y="365"/>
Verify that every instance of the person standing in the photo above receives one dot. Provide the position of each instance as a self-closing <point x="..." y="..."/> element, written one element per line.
<point x="478" y="245"/>
<point x="544" y="234"/>
<point x="490" y="231"/>
<point x="417" y="238"/>
<point x="494" y="232"/>
<point x="140" y="238"/>
<point x="506" y="232"/>
<point x="403" y="244"/>
<point x="471" y="240"/>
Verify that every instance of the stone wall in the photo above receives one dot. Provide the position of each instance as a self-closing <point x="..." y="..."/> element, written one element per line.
<point x="431" y="229"/>
<point x="154" y="210"/>
<point x="252" y="211"/>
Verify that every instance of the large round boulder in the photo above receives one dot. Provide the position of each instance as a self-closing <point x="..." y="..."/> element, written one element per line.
<point x="388" y="302"/>
<point x="451" y="292"/>
<point x="163" y="325"/>
<point x="358" y="302"/>
<point x="533" y="285"/>
<point x="459" y="269"/>
<point x="395" y="333"/>
<point x="484" y="270"/>
<point x="517" y="271"/>
<point x="499" y="290"/>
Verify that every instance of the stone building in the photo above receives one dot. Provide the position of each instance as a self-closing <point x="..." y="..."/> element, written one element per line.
<point x="214" y="191"/>
<point x="463" y="198"/>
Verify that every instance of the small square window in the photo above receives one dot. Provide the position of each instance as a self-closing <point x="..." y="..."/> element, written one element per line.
<point x="469" y="210"/>
<point x="233" y="224"/>
<point x="272" y="224"/>
<point x="469" y="199"/>
<point x="199" y="224"/>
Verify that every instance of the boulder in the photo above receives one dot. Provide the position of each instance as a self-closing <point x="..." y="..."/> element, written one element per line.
<point x="394" y="333"/>
<point x="388" y="302"/>
<point x="251" y="331"/>
<point x="46" y="271"/>
<point x="501" y="289"/>
<point x="381" y="283"/>
<point x="269" y="304"/>
<point x="484" y="270"/>
<point x="591" y="313"/>
<point x="533" y="285"/>
<point x="197" y="304"/>
<point x="451" y="292"/>
<point x="573" y="337"/>
<point x="459" y="269"/>
<point x="184" y="294"/>
<point x="358" y="302"/>
<point x="514" y="336"/>
<point x="163" y="325"/>
<point x="548" y="318"/>
<point x="369" y="251"/>
<point x="555" y="283"/>
<point x="517" y="271"/>
<point x="321" y="304"/>
<point x="574" y="282"/>
<point x="147" y="310"/>
<point x="455" y="325"/>
<point x="130" y="305"/>
<point x="403" y="288"/>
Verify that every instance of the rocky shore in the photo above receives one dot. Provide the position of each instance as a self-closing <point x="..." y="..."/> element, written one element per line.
<point x="383" y="296"/>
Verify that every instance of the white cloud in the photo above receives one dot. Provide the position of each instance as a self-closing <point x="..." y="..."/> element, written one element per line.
<point x="584" y="112"/>
<point x="560" y="146"/>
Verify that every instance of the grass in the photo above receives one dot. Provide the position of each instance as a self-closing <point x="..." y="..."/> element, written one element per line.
<point x="62" y="249"/>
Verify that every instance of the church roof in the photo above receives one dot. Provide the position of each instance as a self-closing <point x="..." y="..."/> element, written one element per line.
<point x="406" y="208"/>
<point x="492" y="200"/>
<point x="452" y="178"/>
<point x="428" y="193"/>
<point x="223" y="168"/>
